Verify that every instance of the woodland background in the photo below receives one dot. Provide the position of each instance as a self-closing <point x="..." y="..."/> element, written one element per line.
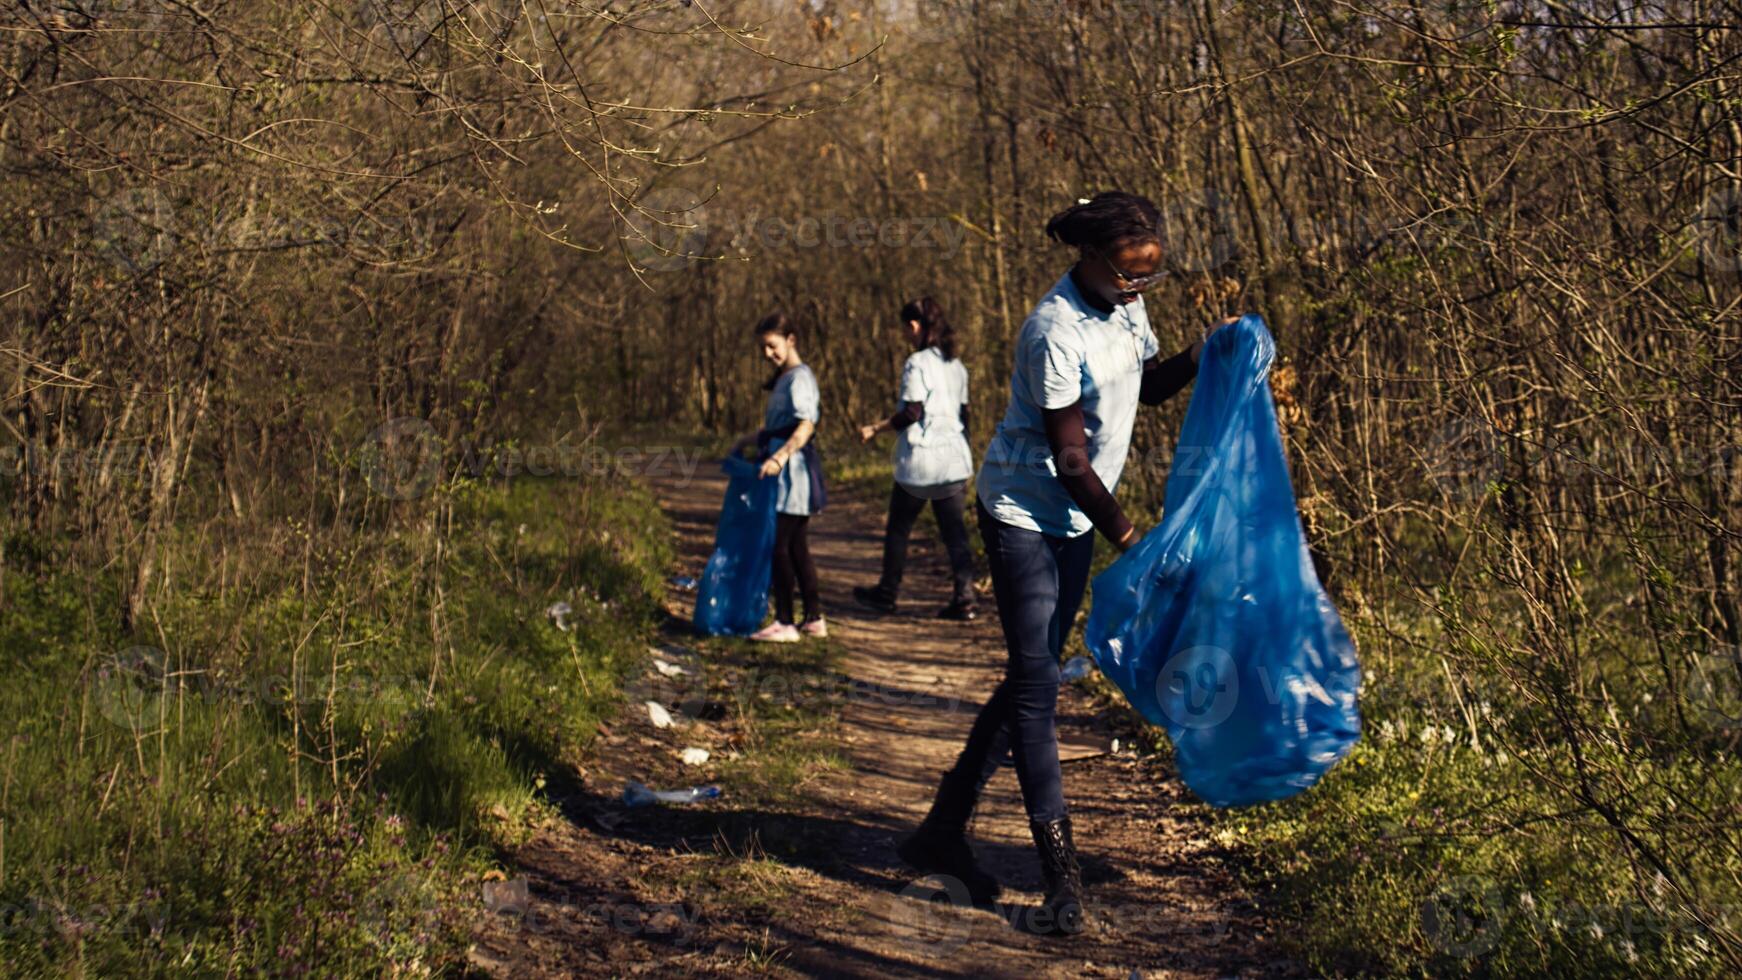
<point x="1499" y="244"/>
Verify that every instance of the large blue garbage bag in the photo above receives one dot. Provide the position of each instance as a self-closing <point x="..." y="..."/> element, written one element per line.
<point x="1215" y="625"/>
<point x="732" y="598"/>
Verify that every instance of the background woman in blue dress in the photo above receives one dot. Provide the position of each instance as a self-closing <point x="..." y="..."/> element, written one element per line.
<point x="788" y="454"/>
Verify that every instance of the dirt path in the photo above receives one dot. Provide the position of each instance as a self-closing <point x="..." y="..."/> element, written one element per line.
<point x="606" y="893"/>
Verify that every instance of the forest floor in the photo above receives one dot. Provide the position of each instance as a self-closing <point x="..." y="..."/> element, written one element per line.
<point x="807" y="883"/>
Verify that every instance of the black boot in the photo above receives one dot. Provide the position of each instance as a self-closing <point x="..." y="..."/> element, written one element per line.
<point x="940" y="845"/>
<point x="1061" y="911"/>
<point x="961" y="610"/>
<point x="878" y="598"/>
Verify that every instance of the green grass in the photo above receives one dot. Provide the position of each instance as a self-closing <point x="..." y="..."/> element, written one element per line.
<point x="279" y="777"/>
<point x="778" y="710"/>
<point x="1429" y="852"/>
<point x="783" y="705"/>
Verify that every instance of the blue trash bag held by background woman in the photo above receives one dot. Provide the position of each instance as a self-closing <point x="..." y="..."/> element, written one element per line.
<point x="1215" y="625"/>
<point x="733" y="596"/>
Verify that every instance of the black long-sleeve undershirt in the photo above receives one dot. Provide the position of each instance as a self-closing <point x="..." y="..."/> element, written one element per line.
<point x="1164" y="379"/>
<point x="908" y="414"/>
<point x="1068" y="439"/>
<point x="912" y="412"/>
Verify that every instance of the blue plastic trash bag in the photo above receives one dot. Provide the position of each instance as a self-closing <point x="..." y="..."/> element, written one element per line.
<point x="1215" y="625"/>
<point x="732" y="598"/>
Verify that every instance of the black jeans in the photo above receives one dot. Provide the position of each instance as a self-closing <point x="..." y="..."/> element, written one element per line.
<point x="792" y="559"/>
<point x="904" y="510"/>
<point x="1039" y="580"/>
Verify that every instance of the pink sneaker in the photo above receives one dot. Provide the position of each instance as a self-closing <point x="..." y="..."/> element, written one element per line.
<point x="816" y="628"/>
<point x="776" y="632"/>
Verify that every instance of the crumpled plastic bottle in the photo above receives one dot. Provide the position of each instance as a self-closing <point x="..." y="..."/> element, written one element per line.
<point x="1215" y="625"/>
<point x="732" y="599"/>
<point x="637" y="794"/>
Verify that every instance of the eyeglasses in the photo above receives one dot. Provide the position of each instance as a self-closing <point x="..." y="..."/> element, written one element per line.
<point x="1133" y="284"/>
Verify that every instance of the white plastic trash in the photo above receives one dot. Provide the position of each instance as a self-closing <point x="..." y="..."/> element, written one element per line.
<point x="559" y="614"/>
<point x="1076" y="668"/>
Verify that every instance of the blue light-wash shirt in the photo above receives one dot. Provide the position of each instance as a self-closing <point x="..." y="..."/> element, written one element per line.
<point x="1067" y="351"/>
<point x="795" y="396"/>
<point x="933" y="451"/>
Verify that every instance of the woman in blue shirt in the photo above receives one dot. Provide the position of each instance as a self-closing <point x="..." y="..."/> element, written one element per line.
<point x="789" y="455"/>
<point x="932" y="458"/>
<point x="1085" y="358"/>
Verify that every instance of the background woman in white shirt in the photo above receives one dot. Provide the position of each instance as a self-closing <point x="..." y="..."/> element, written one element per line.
<point x="932" y="458"/>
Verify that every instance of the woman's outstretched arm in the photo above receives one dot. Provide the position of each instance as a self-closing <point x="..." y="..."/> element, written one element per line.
<point x="908" y="414"/>
<point x="1164" y="379"/>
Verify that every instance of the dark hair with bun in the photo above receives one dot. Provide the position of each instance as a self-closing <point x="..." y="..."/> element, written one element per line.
<point x="779" y="323"/>
<point x="776" y="322"/>
<point x="1111" y="219"/>
<point x="935" y="328"/>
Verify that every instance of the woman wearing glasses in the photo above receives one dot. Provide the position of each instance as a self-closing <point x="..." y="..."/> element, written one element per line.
<point x="932" y="458"/>
<point x="1085" y="358"/>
